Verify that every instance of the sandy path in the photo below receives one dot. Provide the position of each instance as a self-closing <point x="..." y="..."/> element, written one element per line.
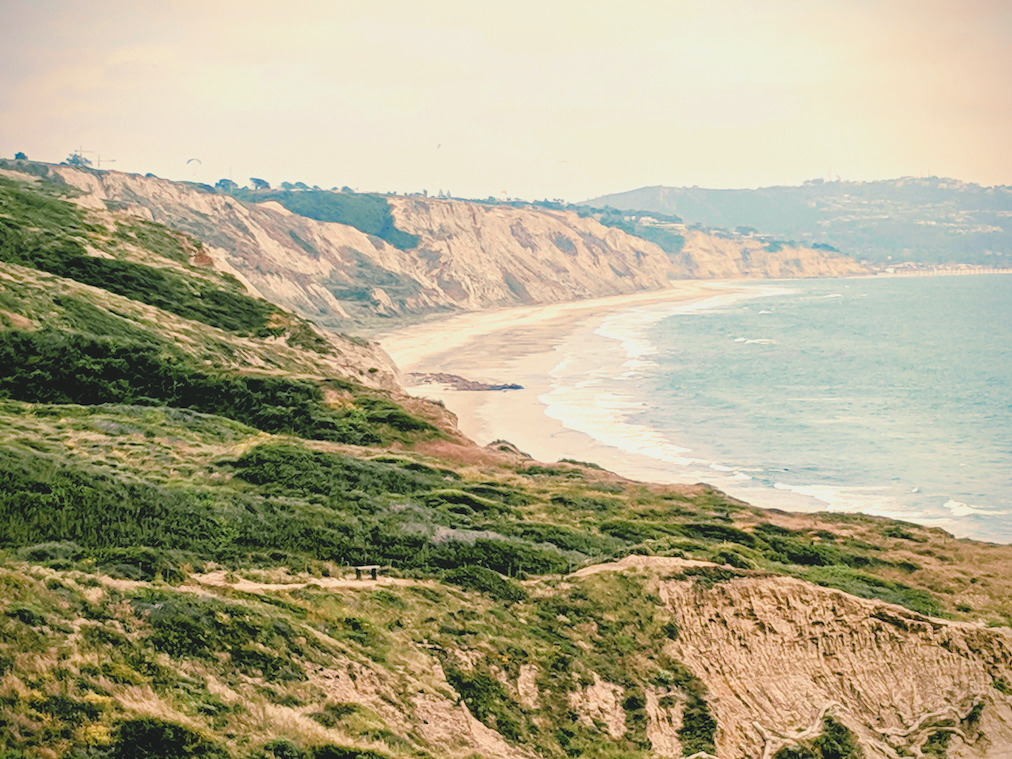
<point x="220" y="579"/>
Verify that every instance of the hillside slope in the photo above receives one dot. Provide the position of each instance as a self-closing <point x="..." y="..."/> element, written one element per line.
<point x="467" y="255"/>
<point x="189" y="473"/>
<point x="926" y="220"/>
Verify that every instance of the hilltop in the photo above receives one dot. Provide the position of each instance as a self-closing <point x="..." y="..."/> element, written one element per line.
<point x="921" y="220"/>
<point x="191" y="467"/>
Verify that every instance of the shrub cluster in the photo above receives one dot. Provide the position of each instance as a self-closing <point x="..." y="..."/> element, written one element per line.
<point x="55" y="367"/>
<point x="365" y="212"/>
<point x="53" y="248"/>
<point x="835" y="742"/>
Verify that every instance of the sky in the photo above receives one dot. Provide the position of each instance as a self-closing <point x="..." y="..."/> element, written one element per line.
<point x="549" y="99"/>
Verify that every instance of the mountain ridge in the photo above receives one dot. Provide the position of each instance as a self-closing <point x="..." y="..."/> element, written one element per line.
<point x="926" y="220"/>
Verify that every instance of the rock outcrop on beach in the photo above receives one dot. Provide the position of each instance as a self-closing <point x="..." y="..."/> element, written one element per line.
<point x="467" y="255"/>
<point x="191" y="476"/>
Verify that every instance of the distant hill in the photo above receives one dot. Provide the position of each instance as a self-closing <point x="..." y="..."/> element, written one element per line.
<point x="928" y="220"/>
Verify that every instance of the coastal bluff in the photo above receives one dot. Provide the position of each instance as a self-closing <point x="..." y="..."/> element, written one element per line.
<point x="467" y="255"/>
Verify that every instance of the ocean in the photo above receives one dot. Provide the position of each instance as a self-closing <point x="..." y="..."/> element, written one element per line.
<point x="889" y="395"/>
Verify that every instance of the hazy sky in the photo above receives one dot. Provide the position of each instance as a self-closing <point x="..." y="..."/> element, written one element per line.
<point x="532" y="99"/>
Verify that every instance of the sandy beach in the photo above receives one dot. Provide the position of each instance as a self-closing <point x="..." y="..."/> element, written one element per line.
<point x="522" y="345"/>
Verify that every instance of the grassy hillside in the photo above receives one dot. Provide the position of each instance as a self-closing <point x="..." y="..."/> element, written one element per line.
<point x="366" y="212"/>
<point x="184" y="483"/>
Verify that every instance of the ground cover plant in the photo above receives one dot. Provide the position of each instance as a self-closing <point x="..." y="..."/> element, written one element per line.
<point x="366" y="212"/>
<point x="47" y="233"/>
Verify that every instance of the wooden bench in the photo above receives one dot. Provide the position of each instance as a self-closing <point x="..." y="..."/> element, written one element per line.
<point x="372" y="569"/>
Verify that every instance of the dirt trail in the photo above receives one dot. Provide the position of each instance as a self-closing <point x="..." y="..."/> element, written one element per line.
<point x="634" y="561"/>
<point x="221" y="579"/>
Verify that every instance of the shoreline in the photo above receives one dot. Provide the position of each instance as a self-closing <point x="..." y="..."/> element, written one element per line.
<point x="573" y="360"/>
<point x="510" y="345"/>
<point x="524" y="344"/>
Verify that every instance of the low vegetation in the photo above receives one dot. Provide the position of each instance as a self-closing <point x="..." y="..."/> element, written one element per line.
<point x="365" y="212"/>
<point x="835" y="742"/>
<point x="178" y="515"/>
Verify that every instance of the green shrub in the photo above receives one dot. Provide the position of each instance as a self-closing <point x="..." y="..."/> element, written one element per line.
<point x="184" y="625"/>
<point x="485" y="581"/>
<point x="459" y="501"/>
<point x="341" y="752"/>
<point x="141" y="563"/>
<point x="381" y="411"/>
<point x="707" y="577"/>
<point x="721" y="532"/>
<point x="366" y="212"/>
<point x="534" y="470"/>
<point x="937" y="744"/>
<point x="796" y="752"/>
<point x="494" y="492"/>
<point x="733" y="559"/>
<point x="155" y="739"/>
<point x="69" y="710"/>
<point x="155" y="238"/>
<point x="289" y="469"/>
<point x="587" y="503"/>
<point x="699" y="728"/>
<point x="835" y="742"/>
<point x="794" y="551"/>
<point x="37" y="207"/>
<point x="488" y="701"/>
<point x="869" y="586"/>
<point x="162" y="288"/>
<point x="279" y="748"/>
<point x="667" y="239"/>
<point x="26" y="615"/>
<point x="42" y="553"/>
<point x="507" y="557"/>
<point x="52" y="367"/>
<point x="638" y="531"/>
<point x="565" y="538"/>
<point x="42" y="502"/>
<point x="83" y="316"/>
<point x="331" y="714"/>
<point x="634" y="704"/>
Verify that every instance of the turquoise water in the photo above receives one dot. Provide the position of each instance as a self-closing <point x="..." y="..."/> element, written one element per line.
<point x="891" y="396"/>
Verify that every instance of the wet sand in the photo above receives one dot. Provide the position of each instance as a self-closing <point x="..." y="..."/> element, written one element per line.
<point x="519" y="345"/>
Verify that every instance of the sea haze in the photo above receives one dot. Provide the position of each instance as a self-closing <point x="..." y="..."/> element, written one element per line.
<point x="889" y="396"/>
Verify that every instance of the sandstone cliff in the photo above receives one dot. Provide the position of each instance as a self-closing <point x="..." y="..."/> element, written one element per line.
<point x="776" y="654"/>
<point x="469" y="255"/>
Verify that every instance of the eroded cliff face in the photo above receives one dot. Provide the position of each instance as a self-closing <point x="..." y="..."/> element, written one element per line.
<point x="708" y="256"/>
<point x="777" y="653"/>
<point x="498" y="255"/>
<point x="469" y="255"/>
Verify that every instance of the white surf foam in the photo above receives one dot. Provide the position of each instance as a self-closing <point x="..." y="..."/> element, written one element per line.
<point x="960" y="509"/>
<point x="585" y="395"/>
